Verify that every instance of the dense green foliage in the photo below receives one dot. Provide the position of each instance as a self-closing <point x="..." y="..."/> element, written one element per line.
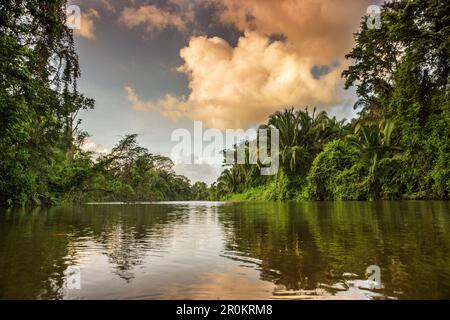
<point x="40" y="142"/>
<point x="38" y="100"/>
<point x="130" y="173"/>
<point x="398" y="147"/>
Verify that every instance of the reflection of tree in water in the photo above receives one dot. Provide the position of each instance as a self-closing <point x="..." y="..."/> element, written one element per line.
<point x="34" y="254"/>
<point x="123" y="251"/>
<point x="282" y="242"/>
<point x="128" y="235"/>
<point x="128" y="232"/>
<point x="295" y="245"/>
<point x="37" y="247"/>
<point x="301" y="246"/>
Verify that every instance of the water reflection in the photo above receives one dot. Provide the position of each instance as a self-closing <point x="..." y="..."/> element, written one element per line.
<point x="227" y="251"/>
<point x="124" y="234"/>
<point x="303" y="247"/>
<point x="37" y="247"/>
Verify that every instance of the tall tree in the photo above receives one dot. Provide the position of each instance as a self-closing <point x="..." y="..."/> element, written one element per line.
<point x="39" y="99"/>
<point x="402" y="74"/>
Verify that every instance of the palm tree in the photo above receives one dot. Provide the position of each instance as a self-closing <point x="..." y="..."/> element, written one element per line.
<point x="374" y="143"/>
<point x="228" y="181"/>
<point x="302" y="136"/>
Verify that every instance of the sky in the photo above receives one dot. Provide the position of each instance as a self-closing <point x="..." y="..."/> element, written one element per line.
<point x="157" y="66"/>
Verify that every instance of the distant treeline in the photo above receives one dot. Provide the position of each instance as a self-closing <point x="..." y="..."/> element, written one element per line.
<point x="397" y="148"/>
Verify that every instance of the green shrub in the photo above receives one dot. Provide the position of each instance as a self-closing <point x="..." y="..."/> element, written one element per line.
<point x="335" y="173"/>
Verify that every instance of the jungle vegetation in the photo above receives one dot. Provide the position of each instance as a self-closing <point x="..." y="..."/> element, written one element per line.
<point x="42" y="161"/>
<point x="399" y="145"/>
<point x="397" y="148"/>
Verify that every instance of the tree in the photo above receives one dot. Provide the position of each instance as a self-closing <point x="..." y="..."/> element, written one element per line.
<point x="338" y="173"/>
<point x="302" y="136"/>
<point x="401" y="72"/>
<point x="200" y="191"/>
<point x="39" y="99"/>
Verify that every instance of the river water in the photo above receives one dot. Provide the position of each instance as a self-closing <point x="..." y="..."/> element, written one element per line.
<point x="205" y="250"/>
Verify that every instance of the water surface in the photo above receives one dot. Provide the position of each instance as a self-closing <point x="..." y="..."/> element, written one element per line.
<point x="226" y="251"/>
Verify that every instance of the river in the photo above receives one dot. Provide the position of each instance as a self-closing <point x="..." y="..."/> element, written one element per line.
<point x="206" y="250"/>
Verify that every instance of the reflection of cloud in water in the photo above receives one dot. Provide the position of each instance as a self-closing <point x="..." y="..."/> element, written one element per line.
<point x="236" y="284"/>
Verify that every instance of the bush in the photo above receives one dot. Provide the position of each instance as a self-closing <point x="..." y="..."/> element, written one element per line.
<point x="336" y="174"/>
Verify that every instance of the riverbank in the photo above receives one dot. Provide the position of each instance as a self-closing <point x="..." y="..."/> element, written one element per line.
<point x="271" y="193"/>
